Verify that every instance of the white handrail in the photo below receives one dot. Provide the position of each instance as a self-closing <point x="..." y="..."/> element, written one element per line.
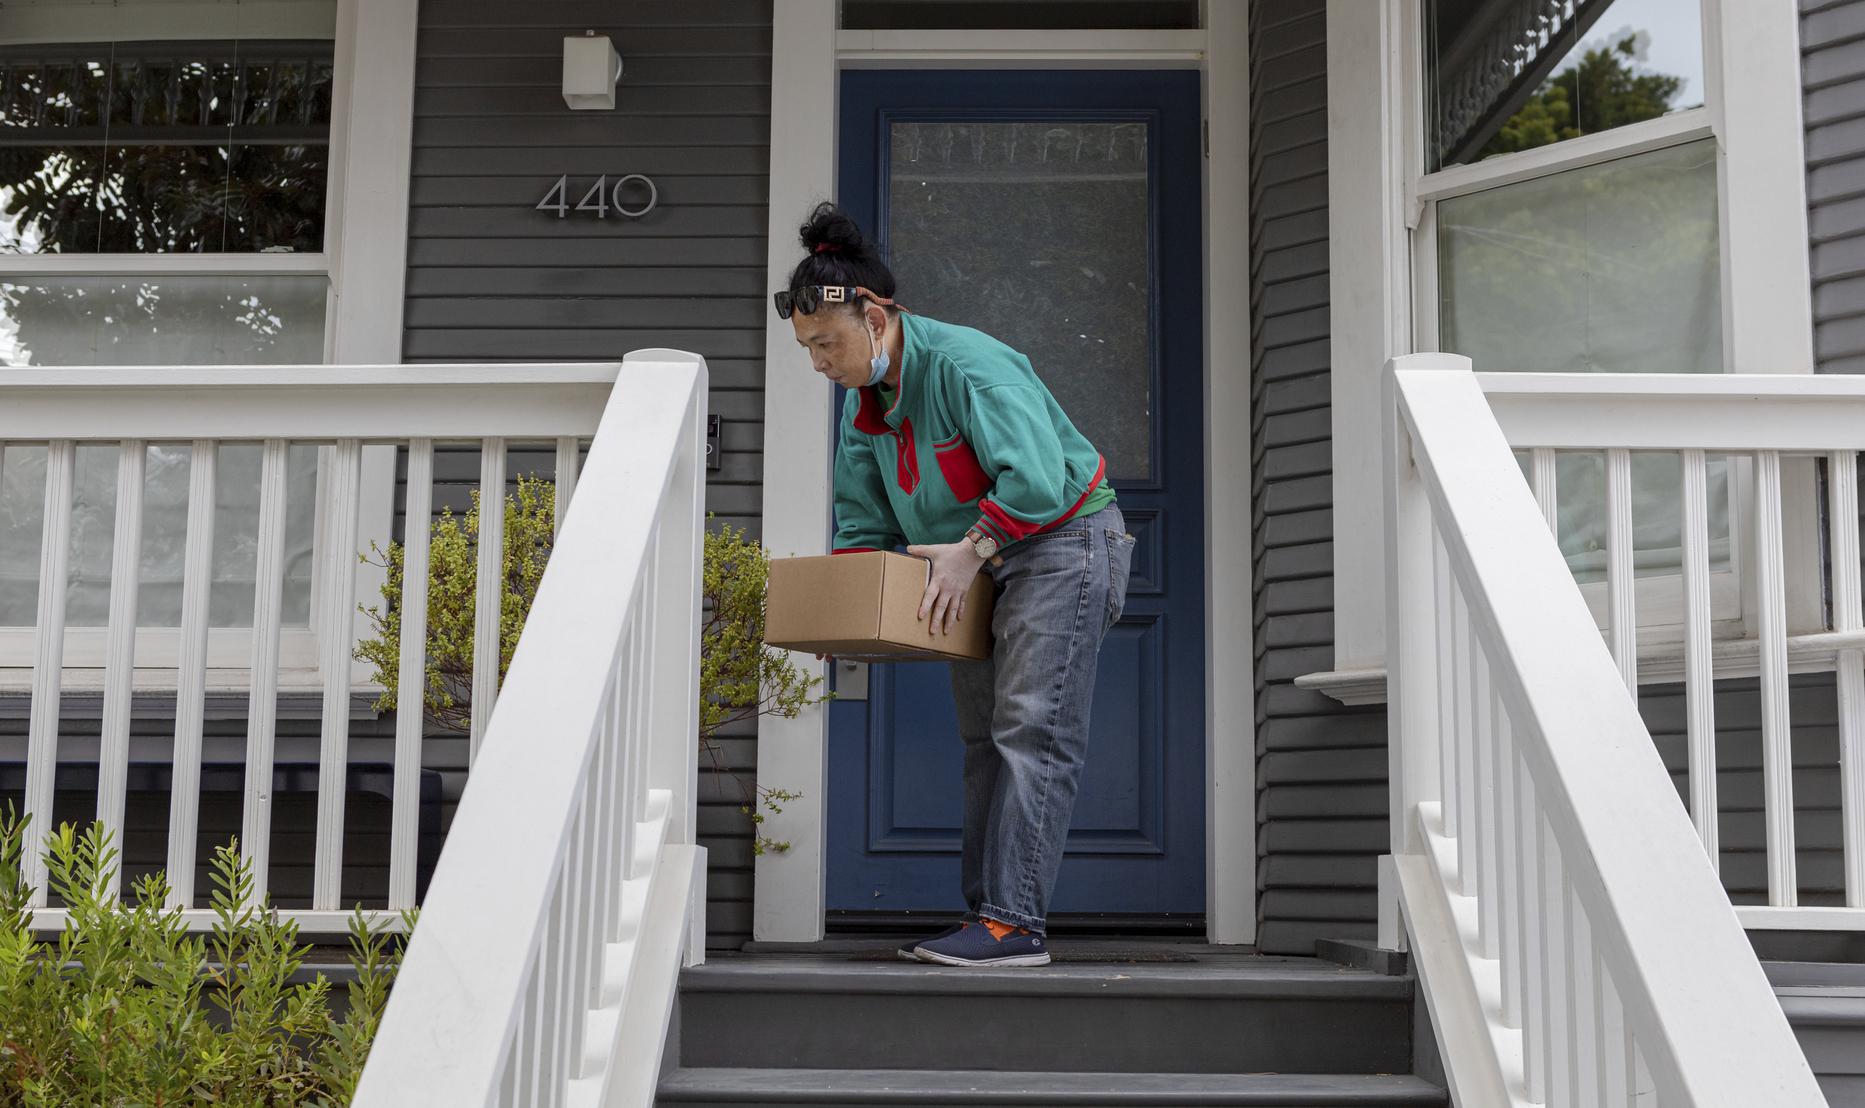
<point x="1626" y="971"/>
<point x="544" y="967"/>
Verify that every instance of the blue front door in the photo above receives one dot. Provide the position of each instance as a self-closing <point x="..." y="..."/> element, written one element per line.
<point x="1060" y="212"/>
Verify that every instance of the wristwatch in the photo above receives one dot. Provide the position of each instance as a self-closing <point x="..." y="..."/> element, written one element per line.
<point x="985" y="545"/>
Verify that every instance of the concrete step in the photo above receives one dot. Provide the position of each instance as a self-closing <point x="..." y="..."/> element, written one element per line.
<point x="1825" y="1005"/>
<point x="1210" y="1010"/>
<point x="952" y="1087"/>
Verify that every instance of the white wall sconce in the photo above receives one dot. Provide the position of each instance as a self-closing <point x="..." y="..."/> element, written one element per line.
<point x="591" y="67"/>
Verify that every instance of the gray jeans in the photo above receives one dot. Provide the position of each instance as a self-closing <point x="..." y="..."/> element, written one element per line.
<point x="1023" y="712"/>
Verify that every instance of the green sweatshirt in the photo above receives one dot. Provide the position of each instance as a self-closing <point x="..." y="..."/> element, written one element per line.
<point x="1004" y="457"/>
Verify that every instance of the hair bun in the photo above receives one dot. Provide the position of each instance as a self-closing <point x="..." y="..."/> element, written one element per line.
<point x="829" y="230"/>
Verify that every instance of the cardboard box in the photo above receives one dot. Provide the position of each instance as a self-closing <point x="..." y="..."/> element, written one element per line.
<point x="865" y="607"/>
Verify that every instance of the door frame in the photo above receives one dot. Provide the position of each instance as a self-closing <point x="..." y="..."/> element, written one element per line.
<point x="808" y="54"/>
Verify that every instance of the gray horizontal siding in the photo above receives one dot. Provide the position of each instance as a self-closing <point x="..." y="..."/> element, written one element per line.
<point x="491" y="279"/>
<point x="1321" y="769"/>
<point x="1833" y="74"/>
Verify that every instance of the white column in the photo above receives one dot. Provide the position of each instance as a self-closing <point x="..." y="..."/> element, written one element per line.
<point x="788" y="892"/>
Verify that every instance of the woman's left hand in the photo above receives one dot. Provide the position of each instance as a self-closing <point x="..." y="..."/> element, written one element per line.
<point x="954" y="566"/>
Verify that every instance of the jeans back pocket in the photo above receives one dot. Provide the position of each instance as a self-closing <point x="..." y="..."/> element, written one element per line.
<point x="1119" y="566"/>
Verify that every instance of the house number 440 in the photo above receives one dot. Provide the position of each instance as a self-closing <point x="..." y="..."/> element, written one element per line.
<point x="600" y="198"/>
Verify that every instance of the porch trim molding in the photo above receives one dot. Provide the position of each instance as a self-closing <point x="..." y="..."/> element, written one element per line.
<point x="807" y="55"/>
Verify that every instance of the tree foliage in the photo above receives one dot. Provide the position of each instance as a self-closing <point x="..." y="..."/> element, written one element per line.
<point x="1599" y="92"/>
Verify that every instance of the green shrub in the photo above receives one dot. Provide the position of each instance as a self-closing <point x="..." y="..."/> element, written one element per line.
<point x="126" y="1007"/>
<point x="740" y="678"/>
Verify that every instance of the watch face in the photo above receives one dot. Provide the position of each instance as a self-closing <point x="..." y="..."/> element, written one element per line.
<point x="985" y="547"/>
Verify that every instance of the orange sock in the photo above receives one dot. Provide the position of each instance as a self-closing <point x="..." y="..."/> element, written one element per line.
<point x="999" y="930"/>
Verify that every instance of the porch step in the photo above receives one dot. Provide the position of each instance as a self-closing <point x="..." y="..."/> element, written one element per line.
<point x="1825" y="1005"/>
<point x="1131" y="1023"/>
<point x="1217" y="1012"/>
<point x="743" y="1085"/>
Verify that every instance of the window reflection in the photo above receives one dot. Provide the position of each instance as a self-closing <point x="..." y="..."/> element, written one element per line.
<point x="164" y="147"/>
<point x="1511" y="75"/>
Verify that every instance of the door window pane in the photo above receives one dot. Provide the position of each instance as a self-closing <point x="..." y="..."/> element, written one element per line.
<point x="1037" y="233"/>
<point x="1509" y="75"/>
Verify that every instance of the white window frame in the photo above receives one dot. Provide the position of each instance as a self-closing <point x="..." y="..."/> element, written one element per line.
<point x="364" y="262"/>
<point x="1381" y="207"/>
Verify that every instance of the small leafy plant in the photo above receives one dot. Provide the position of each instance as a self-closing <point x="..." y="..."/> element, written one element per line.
<point x="452" y="578"/>
<point x="126" y="1007"/>
<point x="740" y="677"/>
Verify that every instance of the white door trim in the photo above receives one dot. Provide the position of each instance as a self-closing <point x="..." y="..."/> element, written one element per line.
<point x="807" y="54"/>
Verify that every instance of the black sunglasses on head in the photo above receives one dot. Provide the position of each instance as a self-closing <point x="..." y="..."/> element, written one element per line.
<point x="810" y="297"/>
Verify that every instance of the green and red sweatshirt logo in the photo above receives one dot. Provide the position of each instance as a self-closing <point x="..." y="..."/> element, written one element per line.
<point x="1003" y="455"/>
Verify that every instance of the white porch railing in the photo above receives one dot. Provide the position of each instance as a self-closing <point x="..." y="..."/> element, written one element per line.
<point x="1575" y="944"/>
<point x="571" y="887"/>
<point x="571" y="890"/>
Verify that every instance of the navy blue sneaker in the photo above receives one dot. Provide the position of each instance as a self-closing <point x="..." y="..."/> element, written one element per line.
<point x="906" y="950"/>
<point x="973" y="945"/>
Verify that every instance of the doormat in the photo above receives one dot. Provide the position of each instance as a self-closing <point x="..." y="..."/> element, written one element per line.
<point x="890" y="954"/>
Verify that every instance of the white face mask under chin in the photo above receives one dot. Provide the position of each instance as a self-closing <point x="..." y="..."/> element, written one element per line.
<point x="879" y="364"/>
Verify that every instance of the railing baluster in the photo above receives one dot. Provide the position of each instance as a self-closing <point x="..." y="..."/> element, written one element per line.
<point x="1700" y="677"/>
<point x="1457" y="723"/>
<point x="411" y="676"/>
<point x="113" y="759"/>
<point x="339" y="604"/>
<point x="184" y="802"/>
<point x="1483" y="801"/>
<point x="1777" y="751"/>
<point x="1557" y="968"/>
<point x="1620" y="583"/>
<point x="1467" y="665"/>
<point x="576" y="880"/>
<point x="1583" y="1009"/>
<point x="48" y="663"/>
<point x="565" y="488"/>
<point x="640" y="742"/>
<point x="1528" y="911"/>
<point x="488" y="590"/>
<point x="262" y="710"/>
<point x="622" y="774"/>
<point x="608" y="837"/>
<point x="1546" y="493"/>
<point x="1842" y="482"/>
<point x="1614" y="1040"/>
<point x="1509" y="866"/>
<point x="557" y="990"/>
<point x="1445" y="641"/>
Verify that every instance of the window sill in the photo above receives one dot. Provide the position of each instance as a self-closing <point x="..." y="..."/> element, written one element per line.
<point x="1658" y="664"/>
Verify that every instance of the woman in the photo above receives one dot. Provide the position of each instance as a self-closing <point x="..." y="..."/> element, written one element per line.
<point x="951" y="443"/>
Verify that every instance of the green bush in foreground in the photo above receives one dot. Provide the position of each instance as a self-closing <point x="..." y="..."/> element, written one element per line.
<point x="125" y="1007"/>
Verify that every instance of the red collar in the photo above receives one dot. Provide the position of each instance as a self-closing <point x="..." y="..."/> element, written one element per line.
<point x="871" y="415"/>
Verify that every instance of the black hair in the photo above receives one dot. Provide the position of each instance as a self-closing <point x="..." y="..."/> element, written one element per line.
<point x="836" y="253"/>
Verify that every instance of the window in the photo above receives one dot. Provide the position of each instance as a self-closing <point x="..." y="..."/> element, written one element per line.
<point x="1572" y="220"/>
<point x="163" y="198"/>
<point x="1561" y="185"/>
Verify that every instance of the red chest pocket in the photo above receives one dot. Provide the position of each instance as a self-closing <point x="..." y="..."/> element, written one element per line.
<point x="961" y="470"/>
